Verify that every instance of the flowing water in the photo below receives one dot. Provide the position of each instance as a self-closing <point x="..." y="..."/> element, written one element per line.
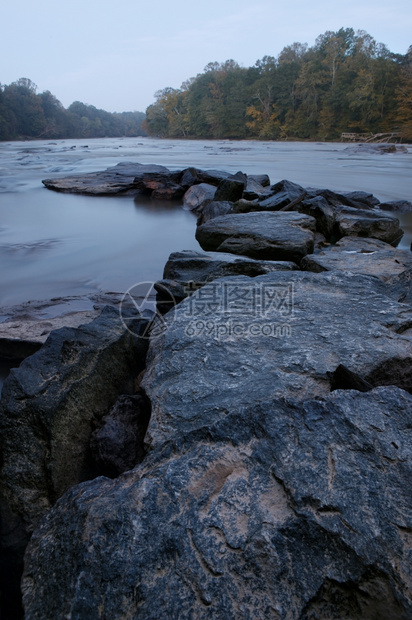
<point x="54" y="244"/>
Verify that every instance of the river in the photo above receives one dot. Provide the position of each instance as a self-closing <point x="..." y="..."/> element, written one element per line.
<point x="54" y="244"/>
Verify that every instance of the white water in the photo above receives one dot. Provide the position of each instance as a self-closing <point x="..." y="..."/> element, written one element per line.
<point x="54" y="244"/>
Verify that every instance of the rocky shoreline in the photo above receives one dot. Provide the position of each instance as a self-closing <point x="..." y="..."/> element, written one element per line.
<point x="245" y="451"/>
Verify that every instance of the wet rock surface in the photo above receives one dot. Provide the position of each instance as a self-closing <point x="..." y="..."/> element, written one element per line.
<point x="47" y="408"/>
<point x="239" y="340"/>
<point x="117" y="445"/>
<point x="187" y="271"/>
<point x="199" y="196"/>
<point x="121" y="179"/>
<point x="268" y="236"/>
<point x="201" y="267"/>
<point x="280" y="510"/>
<point x="359" y="255"/>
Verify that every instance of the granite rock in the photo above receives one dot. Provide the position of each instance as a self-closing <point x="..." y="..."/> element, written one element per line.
<point x="360" y="255"/>
<point x="121" y="179"/>
<point x="47" y="411"/>
<point x="279" y="510"/>
<point x="198" y="196"/>
<point x="267" y="236"/>
<point x="239" y="340"/>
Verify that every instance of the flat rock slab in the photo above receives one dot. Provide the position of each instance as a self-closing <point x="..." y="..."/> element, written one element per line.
<point x="278" y="510"/>
<point x="25" y="327"/>
<point x="268" y="236"/>
<point x="359" y="255"/>
<point x="187" y="271"/>
<point x="119" y="179"/>
<point x="237" y="341"/>
<point x="191" y="266"/>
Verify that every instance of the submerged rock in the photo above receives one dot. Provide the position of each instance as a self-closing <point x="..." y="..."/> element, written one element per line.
<point x="398" y="206"/>
<point x="278" y="510"/>
<point x="377" y="149"/>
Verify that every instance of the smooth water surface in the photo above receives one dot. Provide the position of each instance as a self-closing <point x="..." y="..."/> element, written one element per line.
<point x="54" y="244"/>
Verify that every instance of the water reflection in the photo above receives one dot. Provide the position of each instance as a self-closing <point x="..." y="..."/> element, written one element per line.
<point x="146" y="203"/>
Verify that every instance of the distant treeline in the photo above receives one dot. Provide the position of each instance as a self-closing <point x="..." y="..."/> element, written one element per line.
<point x="346" y="82"/>
<point x="26" y="114"/>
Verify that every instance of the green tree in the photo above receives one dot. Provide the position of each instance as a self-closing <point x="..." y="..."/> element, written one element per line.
<point x="404" y="97"/>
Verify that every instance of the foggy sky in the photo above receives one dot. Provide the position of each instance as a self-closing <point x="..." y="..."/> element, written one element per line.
<point x="116" y="54"/>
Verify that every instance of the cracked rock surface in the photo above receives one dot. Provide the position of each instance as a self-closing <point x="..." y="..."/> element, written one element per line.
<point x="239" y="340"/>
<point x="279" y="510"/>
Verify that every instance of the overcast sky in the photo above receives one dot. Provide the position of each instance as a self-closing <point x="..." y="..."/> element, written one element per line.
<point x="115" y="54"/>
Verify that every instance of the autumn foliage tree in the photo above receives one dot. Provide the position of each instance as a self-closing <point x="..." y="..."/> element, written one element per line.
<point x="345" y="82"/>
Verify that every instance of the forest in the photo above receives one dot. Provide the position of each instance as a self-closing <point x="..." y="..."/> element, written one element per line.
<point x="24" y="114"/>
<point x="346" y="82"/>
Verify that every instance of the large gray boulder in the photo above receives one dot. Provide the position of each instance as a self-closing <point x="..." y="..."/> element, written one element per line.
<point x="48" y="408"/>
<point x="237" y="341"/>
<point x="267" y="236"/>
<point x="255" y="190"/>
<point x="359" y="255"/>
<point x="337" y="221"/>
<point x="198" y="196"/>
<point x="213" y="209"/>
<point x="282" y="195"/>
<point x="231" y="189"/>
<point x="363" y="223"/>
<point x="278" y="510"/>
<point x="193" y="176"/>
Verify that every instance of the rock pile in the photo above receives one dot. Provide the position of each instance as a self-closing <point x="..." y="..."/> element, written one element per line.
<point x="261" y="466"/>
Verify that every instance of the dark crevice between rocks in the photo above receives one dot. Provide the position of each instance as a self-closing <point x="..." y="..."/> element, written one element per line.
<point x="117" y="441"/>
<point x="373" y="597"/>
<point x="395" y="371"/>
<point x="344" y="379"/>
<point x="12" y="353"/>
